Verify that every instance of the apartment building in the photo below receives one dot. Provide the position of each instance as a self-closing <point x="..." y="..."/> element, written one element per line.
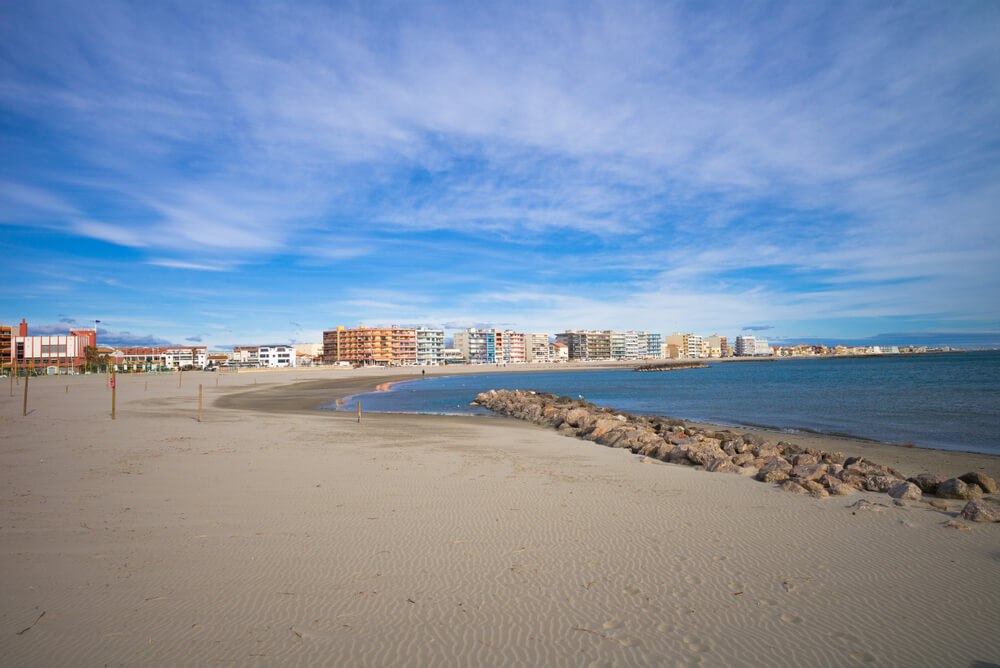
<point x="575" y="342"/>
<point x="650" y="345"/>
<point x="276" y="357"/>
<point x="512" y="347"/>
<point x="477" y="346"/>
<point x="632" y="349"/>
<point x="718" y="346"/>
<point x="370" y="346"/>
<point x="746" y="346"/>
<point x="558" y="352"/>
<point x="6" y="357"/>
<point x="761" y="347"/>
<point x="536" y="348"/>
<point x="430" y="346"/>
<point x="246" y="356"/>
<point x="616" y="345"/>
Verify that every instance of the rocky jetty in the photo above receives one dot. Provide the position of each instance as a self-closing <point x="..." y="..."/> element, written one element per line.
<point x="795" y="469"/>
<point x="671" y="366"/>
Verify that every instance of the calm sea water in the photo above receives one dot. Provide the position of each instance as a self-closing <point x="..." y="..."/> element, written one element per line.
<point x="949" y="401"/>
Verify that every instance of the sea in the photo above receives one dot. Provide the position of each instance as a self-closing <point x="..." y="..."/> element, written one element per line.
<point x="945" y="400"/>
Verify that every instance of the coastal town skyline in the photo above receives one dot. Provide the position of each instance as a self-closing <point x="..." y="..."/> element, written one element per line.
<point x="190" y="174"/>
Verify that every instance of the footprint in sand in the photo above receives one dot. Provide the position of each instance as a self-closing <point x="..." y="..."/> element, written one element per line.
<point x="846" y="637"/>
<point x="631" y="590"/>
<point x="767" y="601"/>
<point x="628" y="641"/>
<point x="863" y="657"/>
<point x="791" y="619"/>
<point x="651" y="609"/>
<point x="664" y="627"/>
<point x="612" y="624"/>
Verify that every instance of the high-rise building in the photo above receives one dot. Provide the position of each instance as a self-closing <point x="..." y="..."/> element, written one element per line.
<point x="536" y="347"/>
<point x="6" y="337"/>
<point x="746" y="346"/>
<point x="616" y="344"/>
<point x="514" y="347"/>
<point x="478" y="346"/>
<point x="653" y="344"/>
<point x="718" y="346"/>
<point x="586" y="345"/>
<point x="370" y="346"/>
<point x="430" y="345"/>
<point x="761" y="347"/>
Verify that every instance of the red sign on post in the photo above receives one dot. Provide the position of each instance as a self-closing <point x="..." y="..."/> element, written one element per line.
<point x="112" y="383"/>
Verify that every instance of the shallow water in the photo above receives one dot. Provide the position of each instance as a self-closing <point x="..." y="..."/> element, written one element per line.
<point x="949" y="401"/>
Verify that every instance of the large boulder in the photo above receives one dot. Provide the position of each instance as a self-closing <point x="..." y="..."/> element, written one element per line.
<point x="793" y="487"/>
<point x="981" y="511"/>
<point x="809" y="470"/>
<point x="721" y="465"/>
<point x="775" y="470"/>
<point x="927" y="482"/>
<point x="879" y="482"/>
<point x="988" y="484"/>
<point x="905" y="490"/>
<point x="576" y="417"/>
<point x="703" y="453"/>
<point x="953" y="488"/>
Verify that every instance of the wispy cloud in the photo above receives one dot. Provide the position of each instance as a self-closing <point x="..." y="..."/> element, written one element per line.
<point x="180" y="264"/>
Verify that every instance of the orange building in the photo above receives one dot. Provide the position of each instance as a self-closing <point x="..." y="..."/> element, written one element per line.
<point x="370" y="346"/>
<point x="6" y="334"/>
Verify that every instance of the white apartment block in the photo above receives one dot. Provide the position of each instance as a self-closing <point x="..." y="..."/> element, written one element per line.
<point x="196" y="356"/>
<point x="746" y="346"/>
<point x="632" y="351"/>
<point x="430" y="346"/>
<point x="514" y="347"/>
<point x="693" y="345"/>
<point x="761" y="347"/>
<point x="617" y="345"/>
<point x="275" y="357"/>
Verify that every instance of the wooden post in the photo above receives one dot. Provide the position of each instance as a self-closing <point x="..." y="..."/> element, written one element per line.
<point x="145" y="386"/>
<point x="199" y="402"/>
<point x="114" y="390"/>
<point x="359" y="411"/>
<point x="67" y="389"/>
<point x="180" y="377"/>
<point x="25" y="411"/>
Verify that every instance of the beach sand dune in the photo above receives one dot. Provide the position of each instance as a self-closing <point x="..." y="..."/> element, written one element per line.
<point x="289" y="535"/>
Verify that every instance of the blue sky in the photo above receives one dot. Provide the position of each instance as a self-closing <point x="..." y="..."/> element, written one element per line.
<point x="253" y="172"/>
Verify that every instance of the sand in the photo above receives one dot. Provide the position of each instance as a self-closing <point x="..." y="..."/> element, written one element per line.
<point x="272" y="533"/>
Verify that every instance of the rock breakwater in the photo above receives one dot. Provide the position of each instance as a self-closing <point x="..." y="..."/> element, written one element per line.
<point x="795" y="469"/>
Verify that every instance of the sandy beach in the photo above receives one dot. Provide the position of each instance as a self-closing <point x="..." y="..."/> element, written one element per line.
<point x="272" y="533"/>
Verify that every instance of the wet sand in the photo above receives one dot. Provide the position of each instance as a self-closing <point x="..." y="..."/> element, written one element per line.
<point x="272" y="533"/>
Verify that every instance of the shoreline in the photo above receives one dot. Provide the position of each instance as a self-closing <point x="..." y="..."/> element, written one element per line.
<point x="314" y="399"/>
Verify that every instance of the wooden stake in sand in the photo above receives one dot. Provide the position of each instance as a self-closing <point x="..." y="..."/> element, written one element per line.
<point x="359" y="411"/>
<point x="180" y="377"/>
<point x="113" y="392"/>
<point x="25" y="411"/>
<point x="67" y="389"/>
<point x="199" y="402"/>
